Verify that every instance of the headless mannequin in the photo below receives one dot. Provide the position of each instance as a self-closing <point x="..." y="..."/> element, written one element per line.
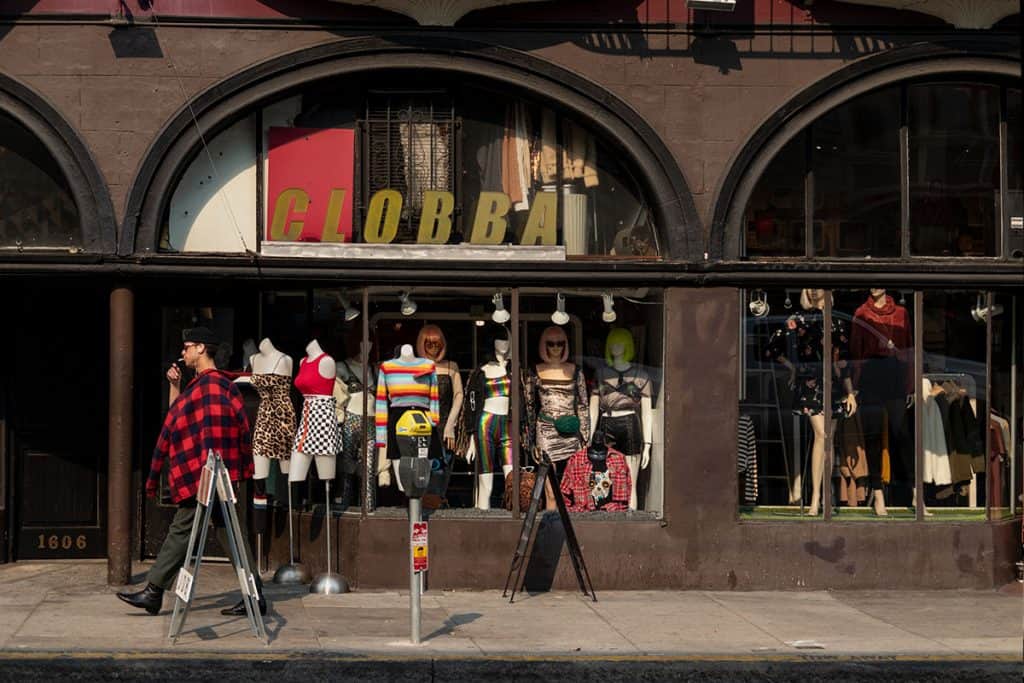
<point x="361" y="403"/>
<point x="497" y="405"/>
<point x="268" y="361"/>
<point x="878" y="299"/>
<point x="814" y="299"/>
<point x="325" y="464"/>
<point x="404" y="354"/>
<point x="636" y="463"/>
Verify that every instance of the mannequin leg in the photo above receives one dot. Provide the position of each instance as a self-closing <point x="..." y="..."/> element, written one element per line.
<point x="817" y="462"/>
<point x="285" y="464"/>
<point x="299" y="467"/>
<point x="261" y="464"/>
<point x="634" y="471"/>
<point x="484" y="486"/>
<point x="326" y="466"/>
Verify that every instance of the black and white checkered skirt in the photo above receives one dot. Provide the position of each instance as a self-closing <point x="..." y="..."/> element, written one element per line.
<point x="318" y="432"/>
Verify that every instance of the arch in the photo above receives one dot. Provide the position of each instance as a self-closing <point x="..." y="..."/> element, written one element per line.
<point x="220" y="105"/>
<point x="59" y="138"/>
<point x="995" y="58"/>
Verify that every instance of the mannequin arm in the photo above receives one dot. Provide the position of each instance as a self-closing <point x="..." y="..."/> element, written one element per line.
<point x="595" y="403"/>
<point x="453" y="416"/>
<point x="327" y="367"/>
<point x="471" y="449"/>
<point x="851" y="399"/>
<point x="647" y="426"/>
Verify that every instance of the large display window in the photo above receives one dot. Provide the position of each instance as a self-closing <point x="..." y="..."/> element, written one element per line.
<point x="503" y="375"/>
<point x="404" y="158"/>
<point x="879" y="405"/>
<point x="923" y="168"/>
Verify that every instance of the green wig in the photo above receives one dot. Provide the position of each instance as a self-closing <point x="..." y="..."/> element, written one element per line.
<point x="619" y="335"/>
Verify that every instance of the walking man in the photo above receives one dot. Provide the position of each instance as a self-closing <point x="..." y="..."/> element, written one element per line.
<point x="208" y="414"/>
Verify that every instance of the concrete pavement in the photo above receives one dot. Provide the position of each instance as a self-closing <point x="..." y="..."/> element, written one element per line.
<point x="67" y="609"/>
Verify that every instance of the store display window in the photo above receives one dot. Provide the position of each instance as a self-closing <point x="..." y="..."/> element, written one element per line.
<point x="905" y="386"/>
<point x="351" y="167"/>
<point x="36" y="206"/>
<point x="843" y="176"/>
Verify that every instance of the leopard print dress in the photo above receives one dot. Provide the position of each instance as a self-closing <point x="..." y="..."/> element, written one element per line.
<point x="275" y="418"/>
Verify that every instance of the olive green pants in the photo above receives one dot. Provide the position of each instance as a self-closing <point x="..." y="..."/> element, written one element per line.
<point x="172" y="553"/>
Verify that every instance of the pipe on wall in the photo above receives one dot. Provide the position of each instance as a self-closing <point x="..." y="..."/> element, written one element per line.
<point x="119" y="467"/>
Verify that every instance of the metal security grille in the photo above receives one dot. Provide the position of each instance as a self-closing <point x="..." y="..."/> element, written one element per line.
<point x="408" y="146"/>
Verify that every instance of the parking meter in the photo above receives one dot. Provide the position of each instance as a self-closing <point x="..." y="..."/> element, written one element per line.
<point x="413" y="432"/>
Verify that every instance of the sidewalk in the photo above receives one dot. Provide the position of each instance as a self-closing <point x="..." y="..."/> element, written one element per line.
<point x="68" y="608"/>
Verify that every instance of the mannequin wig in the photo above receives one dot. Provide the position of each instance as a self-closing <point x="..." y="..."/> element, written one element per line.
<point x="807" y="302"/>
<point x="553" y="333"/>
<point x="431" y="333"/>
<point x="619" y="335"/>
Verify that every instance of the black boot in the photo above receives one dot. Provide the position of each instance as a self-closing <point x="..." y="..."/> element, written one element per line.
<point x="238" y="609"/>
<point x="150" y="598"/>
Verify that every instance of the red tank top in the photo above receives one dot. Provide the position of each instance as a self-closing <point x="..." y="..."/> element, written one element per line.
<point x="309" y="380"/>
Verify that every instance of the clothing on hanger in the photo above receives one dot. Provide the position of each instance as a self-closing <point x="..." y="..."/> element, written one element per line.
<point x="747" y="457"/>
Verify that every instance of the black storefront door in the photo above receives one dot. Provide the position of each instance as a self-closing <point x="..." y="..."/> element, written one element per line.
<point x="55" y="409"/>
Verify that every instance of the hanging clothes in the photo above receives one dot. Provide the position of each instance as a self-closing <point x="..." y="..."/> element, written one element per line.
<point x="515" y="156"/>
<point x="853" y="461"/>
<point x="936" y="450"/>
<point x="997" y="458"/>
<point x="968" y="444"/>
<point x="746" y="459"/>
<point x="587" y="489"/>
<point x="579" y="153"/>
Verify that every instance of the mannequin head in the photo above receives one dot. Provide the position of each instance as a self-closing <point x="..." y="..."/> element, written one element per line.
<point x="430" y="343"/>
<point x="554" y="345"/>
<point x="876" y="293"/>
<point x="812" y="298"/>
<point x="619" y="344"/>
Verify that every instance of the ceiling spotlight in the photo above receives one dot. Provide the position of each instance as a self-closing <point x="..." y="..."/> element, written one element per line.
<point x="609" y="308"/>
<point x="981" y="312"/>
<point x="560" y="317"/>
<point x="408" y="305"/>
<point x="500" y="315"/>
<point x="351" y="312"/>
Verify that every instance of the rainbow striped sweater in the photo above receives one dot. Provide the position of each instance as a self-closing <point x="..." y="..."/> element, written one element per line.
<point x="405" y="384"/>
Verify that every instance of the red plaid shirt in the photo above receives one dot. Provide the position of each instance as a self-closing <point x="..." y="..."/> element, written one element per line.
<point x="209" y="414"/>
<point x="577" y="483"/>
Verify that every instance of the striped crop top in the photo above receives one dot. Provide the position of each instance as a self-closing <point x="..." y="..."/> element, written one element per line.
<point x="405" y="384"/>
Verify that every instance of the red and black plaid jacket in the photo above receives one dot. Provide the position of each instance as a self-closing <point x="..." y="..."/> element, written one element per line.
<point x="576" y="483"/>
<point x="209" y="414"/>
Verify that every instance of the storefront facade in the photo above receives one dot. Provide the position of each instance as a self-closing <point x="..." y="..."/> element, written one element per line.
<point x="642" y="195"/>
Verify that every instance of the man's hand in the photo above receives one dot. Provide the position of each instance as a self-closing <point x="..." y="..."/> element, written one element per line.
<point x="174" y="376"/>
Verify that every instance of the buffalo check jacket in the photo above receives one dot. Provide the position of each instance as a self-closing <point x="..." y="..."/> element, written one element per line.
<point x="209" y="414"/>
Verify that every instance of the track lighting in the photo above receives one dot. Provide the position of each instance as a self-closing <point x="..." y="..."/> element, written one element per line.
<point x="408" y="305"/>
<point x="981" y="312"/>
<point x="500" y="315"/>
<point x="351" y="312"/>
<point x="560" y="317"/>
<point x="609" y="308"/>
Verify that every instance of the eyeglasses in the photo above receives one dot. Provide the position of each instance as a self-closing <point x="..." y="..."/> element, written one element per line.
<point x="433" y="343"/>
<point x="188" y="345"/>
<point x="554" y="344"/>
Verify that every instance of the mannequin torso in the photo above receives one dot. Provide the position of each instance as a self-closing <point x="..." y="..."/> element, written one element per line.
<point x="269" y="360"/>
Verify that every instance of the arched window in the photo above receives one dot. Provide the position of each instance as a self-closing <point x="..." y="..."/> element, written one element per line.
<point x="37" y="209"/>
<point x="394" y="157"/>
<point x="921" y="169"/>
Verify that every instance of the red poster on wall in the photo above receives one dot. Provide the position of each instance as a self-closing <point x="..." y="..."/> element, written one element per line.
<point x="309" y="184"/>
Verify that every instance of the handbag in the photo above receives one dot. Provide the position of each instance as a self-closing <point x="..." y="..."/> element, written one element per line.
<point x="527" y="479"/>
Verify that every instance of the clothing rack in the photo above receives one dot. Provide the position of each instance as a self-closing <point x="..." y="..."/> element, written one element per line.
<point x="965" y="380"/>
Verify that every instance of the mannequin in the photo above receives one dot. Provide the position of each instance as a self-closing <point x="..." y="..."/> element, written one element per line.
<point x="486" y="420"/>
<point x="357" y="432"/>
<point x="555" y="390"/>
<point x="879" y="345"/>
<point x="317" y="435"/>
<point x="274" y="432"/>
<point x="596" y="478"/>
<point x="405" y="383"/>
<point x="431" y="344"/>
<point x="804" y="333"/>
<point x="621" y="405"/>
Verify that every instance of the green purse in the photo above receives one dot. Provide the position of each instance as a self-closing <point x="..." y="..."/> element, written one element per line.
<point x="567" y="425"/>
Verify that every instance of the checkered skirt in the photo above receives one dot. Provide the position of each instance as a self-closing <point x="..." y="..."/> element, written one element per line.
<point x="319" y="432"/>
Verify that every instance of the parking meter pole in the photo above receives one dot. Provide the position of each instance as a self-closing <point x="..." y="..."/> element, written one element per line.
<point x="414" y="578"/>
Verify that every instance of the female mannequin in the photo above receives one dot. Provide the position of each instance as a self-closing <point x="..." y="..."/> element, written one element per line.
<point x="403" y="384"/>
<point x="274" y="432"/>
<point x="431" y="344"/>
<point x="879" y="342"/>
<point x="486" y="420"/>
<point x="317" y="435"/>
<point x="555" y="390"/>
<point x="805" y="333"/>
<point x="621" y="405"/>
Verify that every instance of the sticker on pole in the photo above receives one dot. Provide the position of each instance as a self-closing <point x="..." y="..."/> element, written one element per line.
<point x="183" y="587"/>
<point x="419" y="546"/>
